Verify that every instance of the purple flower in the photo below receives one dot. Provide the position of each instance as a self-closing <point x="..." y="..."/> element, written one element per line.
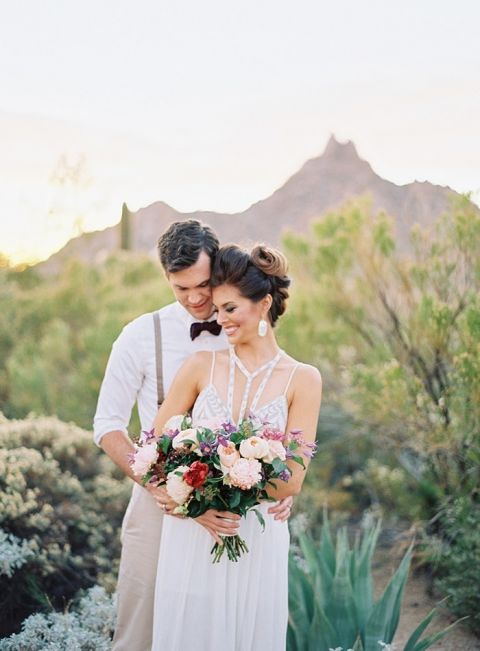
<point x="228" y="427"/>
<point x="206" y="448"/>
<point x="285" y="475"/>
<point x="145" y="436"/>
<point x="171" y="433"/>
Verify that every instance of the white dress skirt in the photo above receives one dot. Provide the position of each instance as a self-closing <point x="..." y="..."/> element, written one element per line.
<point x="226" y="606"/>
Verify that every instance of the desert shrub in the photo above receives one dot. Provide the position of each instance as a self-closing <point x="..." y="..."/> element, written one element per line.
<point x="399" y="336"/>
<point x="455" y="557"/>
<point x="88" y="626"/>
<point x="56" y="334"/>
<point x="61" y="500"/>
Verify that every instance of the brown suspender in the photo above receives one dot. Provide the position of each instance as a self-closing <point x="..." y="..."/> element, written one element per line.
<point x="158" y="357"/>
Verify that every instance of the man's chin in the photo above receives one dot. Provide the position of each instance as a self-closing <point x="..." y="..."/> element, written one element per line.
<point x="203" y="313"/>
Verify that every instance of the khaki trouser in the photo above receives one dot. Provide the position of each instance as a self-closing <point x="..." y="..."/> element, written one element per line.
<point x="141" y="530"/>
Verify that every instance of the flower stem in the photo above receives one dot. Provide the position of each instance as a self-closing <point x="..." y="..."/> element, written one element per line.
<point x="233" y="545"/>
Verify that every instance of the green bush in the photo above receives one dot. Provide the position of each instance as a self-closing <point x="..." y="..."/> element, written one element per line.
<point x="61" y="505"/>
<point x="56" y="334"/>
<point x="456" y="558"/>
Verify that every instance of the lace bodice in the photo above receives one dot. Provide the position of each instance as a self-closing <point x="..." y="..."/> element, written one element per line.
<point x="209" y="405"/>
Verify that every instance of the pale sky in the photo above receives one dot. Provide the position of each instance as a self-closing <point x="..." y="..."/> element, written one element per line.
<point x="213" y="105"/>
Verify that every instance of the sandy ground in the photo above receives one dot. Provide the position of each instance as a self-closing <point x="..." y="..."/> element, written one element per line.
<point x="417" y="603"/>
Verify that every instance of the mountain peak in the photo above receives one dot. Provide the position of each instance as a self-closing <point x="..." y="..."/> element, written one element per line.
<point x="335" y="149"/>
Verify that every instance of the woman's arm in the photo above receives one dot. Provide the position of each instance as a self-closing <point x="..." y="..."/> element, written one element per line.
<point x="303" y="415"/>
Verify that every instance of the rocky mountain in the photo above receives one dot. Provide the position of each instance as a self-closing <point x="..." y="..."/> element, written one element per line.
<point x="323" y="183"/>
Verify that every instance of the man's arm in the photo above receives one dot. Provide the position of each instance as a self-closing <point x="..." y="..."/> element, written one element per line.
<point x="121" y="384"/>
<point x="118" y="446"/>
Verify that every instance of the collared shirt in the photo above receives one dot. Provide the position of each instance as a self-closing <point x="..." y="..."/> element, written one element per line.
<point x="131" y="374"/>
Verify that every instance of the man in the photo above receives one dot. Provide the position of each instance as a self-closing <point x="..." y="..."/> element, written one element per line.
<point x="186" y="252"/>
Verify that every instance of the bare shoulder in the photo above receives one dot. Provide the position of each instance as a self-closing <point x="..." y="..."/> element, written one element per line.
<point x="305" y="376"/>
<point x="201" y="361"/>
<point x="198" y="361"/>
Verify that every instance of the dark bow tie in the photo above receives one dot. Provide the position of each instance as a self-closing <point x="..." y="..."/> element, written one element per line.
<point x="197" y="327"/>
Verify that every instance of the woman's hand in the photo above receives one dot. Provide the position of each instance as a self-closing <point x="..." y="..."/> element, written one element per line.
<point x="282" y="509"/>
<point x="219" y="523"/>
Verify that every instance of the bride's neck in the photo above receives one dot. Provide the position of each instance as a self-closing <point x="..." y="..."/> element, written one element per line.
<point x="258" y="351"/>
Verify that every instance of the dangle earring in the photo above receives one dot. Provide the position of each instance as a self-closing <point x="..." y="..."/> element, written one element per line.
<point x="262" y="328"/>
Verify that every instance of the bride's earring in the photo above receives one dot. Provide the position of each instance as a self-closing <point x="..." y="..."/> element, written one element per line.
<point x="262" y="328"/>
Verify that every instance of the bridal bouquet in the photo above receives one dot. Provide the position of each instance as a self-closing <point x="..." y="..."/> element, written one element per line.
<point x="218" y="465"/>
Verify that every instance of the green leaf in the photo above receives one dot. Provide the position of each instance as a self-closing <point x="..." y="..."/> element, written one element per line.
<point x="434" y="637"/>
<point x="165" y="442"/>
<point x="383" y="620"/>
<point x="417" y="633"/>
<point x="260" y="518"/>
<point x="234" y="499"/>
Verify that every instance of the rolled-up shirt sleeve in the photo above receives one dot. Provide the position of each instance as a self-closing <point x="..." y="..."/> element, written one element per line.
<point x="122" y="382"/>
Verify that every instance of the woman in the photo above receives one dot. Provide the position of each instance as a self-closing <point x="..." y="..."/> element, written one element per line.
<point x="236" y="606"/>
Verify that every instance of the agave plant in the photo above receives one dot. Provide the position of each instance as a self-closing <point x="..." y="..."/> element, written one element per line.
<point x="331" y="597"/>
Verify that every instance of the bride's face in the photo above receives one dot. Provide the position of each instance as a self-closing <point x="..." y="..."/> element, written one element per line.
<point x="239" y="316"/>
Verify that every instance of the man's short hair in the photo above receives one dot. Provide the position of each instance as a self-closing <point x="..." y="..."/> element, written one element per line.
<point x="180" y="245"/>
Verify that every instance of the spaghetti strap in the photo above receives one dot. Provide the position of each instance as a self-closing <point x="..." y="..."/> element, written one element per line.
<point x="212" y="367"/>
<point x="290" y="378"/>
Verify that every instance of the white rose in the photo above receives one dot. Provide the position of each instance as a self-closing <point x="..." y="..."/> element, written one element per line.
<point x="178" y="490"/>
<point x="187" y="434"/>
<point x="253" y="448"/>
<point x="144" y="457"/>
<point x="228" y="454"/>
<point x="174" y="422"/>
<point x="245" y="473"/>
<point x="275" y="451"/>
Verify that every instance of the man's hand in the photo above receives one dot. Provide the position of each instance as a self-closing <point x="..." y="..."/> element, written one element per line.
<point x="282" y="509"/>
<point x="163" y="499"/>
<point x="219" y="523"/>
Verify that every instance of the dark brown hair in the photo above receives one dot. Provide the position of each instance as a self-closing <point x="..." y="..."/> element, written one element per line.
<point x="258" y="273"/>
<point x="180" y="245"/>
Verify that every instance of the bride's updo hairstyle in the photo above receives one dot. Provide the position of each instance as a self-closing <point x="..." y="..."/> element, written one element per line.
<point x="255" y="274"/>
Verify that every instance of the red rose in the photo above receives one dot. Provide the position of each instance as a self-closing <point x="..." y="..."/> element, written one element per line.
<point x="196" y="474"/>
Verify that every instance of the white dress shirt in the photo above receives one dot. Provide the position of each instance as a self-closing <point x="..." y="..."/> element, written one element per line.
<point x="131" y="374"/>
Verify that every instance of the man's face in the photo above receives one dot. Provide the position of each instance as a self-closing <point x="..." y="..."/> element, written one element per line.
<point x="191" y="287"/>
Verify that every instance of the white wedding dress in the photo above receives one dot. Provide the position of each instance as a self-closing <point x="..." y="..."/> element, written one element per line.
<point x="227" y="606"/>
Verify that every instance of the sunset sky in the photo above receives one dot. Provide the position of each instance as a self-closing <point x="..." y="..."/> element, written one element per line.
<point x="213" y="105"/>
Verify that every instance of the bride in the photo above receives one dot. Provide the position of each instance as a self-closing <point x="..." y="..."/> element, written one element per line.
<point x="239" y="606"/>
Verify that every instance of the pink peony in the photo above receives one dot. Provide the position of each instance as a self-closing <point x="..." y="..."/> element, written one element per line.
<point x="177" y="488"/>
<point x="184" y="436"/>
<point x="275" y="451"/>
<point x="253" y="448"/>
<point x="143" y="458"/>
<point x="245" y="473"/>
<point x="228" y="454"/>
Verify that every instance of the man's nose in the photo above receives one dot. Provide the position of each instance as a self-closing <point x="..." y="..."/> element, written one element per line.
<point x="195" y="298"/>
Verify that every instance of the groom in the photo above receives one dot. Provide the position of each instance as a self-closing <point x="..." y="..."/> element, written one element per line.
<point x="143" y="363"/>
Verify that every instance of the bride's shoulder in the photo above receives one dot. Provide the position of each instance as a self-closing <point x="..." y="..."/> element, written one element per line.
<point x="204" y="358"/>
<point x="304" y="374"/>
